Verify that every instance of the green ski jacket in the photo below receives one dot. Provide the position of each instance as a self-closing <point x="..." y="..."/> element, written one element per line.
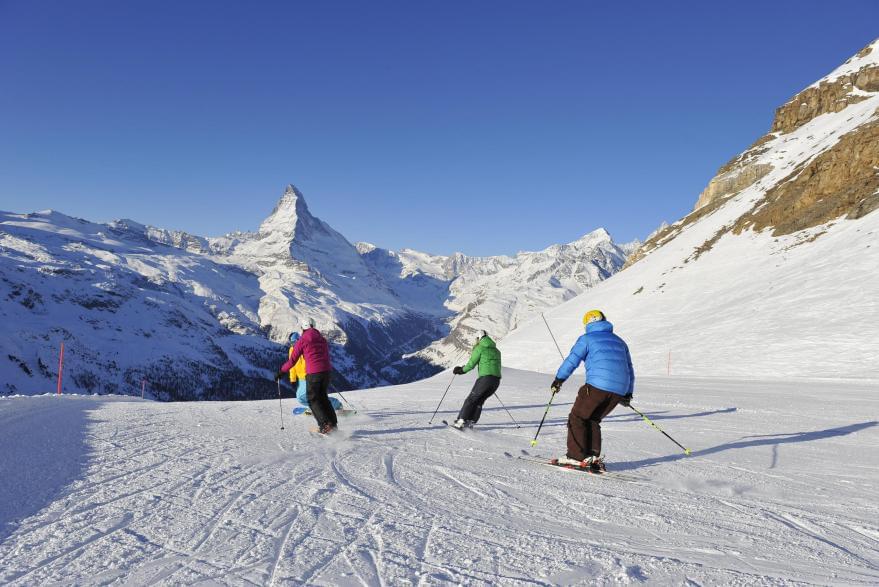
<point x="486" y="355"/>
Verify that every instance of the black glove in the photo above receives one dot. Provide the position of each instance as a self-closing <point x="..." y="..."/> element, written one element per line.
<point x="556" y="385"/>
<point x="626" y="401"/>
<point x="278" y="376"/>
<point x="458" y="370"/>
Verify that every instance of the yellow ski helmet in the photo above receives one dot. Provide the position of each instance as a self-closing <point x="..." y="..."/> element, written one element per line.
<point x="592" y="316"/>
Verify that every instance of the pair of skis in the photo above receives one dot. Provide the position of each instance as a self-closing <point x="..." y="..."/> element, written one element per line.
<point x="541" y="460"/>
<point x="301" y="411"/>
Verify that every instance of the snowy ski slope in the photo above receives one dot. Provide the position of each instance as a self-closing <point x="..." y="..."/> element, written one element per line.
<point x="754" y="306"/>
<point x="781" y="489"/>
<point x="707" y="299"/>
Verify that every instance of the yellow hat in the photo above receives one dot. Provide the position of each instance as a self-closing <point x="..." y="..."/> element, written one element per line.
<point x="592" y="316"/>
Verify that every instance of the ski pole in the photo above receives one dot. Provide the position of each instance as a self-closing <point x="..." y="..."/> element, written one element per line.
<point x="508" y="411"/>
<point x="280" y="405"/>
<point x="552" y="397"/>
<point x="549" y="403"/>
<point x="346" y="401"/>
<point x="441" y="399"/>
<point x="457" y="357"/>
<point x="649" y="421"/>
<point x="558" y="348"/>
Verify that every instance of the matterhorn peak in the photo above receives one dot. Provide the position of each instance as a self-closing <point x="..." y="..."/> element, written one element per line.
<point x="288" y="212"/>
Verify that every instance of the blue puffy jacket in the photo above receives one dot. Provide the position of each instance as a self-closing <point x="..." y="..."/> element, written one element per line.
<point x="608" y="362"/>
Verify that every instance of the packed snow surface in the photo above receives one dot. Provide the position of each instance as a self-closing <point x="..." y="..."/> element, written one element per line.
<point x="780" y="488"/>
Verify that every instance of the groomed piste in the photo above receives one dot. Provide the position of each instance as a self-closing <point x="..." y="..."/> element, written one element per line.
<point x="781" y="487"/>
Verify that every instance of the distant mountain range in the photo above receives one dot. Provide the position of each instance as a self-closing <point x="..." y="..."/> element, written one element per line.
<point x="190" y="317"/>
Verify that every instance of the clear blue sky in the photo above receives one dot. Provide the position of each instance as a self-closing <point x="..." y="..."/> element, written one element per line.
<point x="486" y="127"/>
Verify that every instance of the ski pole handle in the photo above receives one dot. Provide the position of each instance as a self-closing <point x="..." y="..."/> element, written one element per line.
<point x="649" y="421"/>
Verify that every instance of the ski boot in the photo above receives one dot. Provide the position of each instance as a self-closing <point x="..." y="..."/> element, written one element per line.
<point x="596" y="464"/>
<point x="566" y="461"/>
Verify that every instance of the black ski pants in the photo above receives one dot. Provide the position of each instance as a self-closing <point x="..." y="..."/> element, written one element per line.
<point x="483" y="389"/>
<point x="316" y="387"/>
<point x="584" y="421"/>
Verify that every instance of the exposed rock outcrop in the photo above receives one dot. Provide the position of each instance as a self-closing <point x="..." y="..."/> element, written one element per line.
<point x="731" y="182"/>
<point x="826" y="97"/>
<point x="842" y="181"/>
<point x="829" y="177"/>
<point x="829" y="95"/>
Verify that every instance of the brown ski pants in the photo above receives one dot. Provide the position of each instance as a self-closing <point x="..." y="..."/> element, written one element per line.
<point x="584" y="421"/>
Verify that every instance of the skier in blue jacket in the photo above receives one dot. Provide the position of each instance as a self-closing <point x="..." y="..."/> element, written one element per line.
<point x="610" y="380"/>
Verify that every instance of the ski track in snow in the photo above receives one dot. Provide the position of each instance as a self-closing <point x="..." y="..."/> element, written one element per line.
<point x="113" y="490"/>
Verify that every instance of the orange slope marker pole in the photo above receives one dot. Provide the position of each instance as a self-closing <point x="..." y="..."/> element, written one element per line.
<point x="60" y="368"/>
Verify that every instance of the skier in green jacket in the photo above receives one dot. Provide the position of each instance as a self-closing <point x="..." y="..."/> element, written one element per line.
<point x="488" y="357"/>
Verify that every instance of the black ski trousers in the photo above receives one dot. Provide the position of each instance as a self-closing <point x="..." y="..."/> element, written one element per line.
<point x="483" y="389"/>
<point x="584" y="421"/>
<point x="316" y="387"/>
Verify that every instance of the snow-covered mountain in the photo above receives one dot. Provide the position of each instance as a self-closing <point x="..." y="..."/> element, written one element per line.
<point x="128" y="310"/>
<point x="204" y="317"/>
<point x="774" y="273"/>
<point x="498" y="293"/>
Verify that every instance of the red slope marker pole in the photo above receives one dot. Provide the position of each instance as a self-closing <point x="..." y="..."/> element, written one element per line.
<point x="60" y="368"/>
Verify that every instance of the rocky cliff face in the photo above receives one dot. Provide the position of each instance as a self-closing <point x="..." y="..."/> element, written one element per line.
<point x="818" y="163"/>
<point x="853" y="82"/>
<point x="841" y="182"/>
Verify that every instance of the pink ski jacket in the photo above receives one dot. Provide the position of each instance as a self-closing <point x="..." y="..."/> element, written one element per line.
<point x="313" y="346"/>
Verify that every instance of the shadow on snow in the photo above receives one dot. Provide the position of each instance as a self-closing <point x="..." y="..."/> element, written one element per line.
<point x="762" y="440"/>
<point x="45" y="450"/>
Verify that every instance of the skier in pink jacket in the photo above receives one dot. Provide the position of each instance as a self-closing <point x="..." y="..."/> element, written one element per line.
<point x="318" y="369"/>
